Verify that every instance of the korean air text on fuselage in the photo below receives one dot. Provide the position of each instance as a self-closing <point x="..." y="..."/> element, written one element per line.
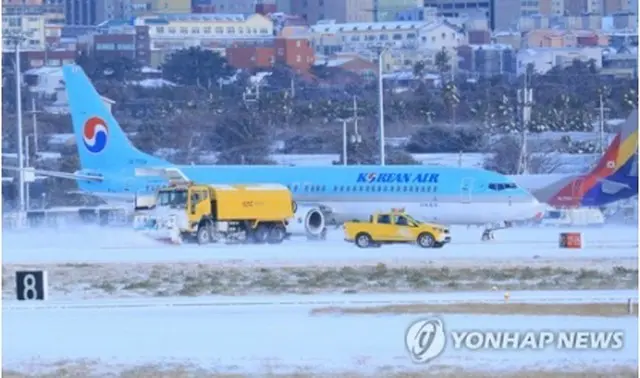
<point x="399" y="178"/>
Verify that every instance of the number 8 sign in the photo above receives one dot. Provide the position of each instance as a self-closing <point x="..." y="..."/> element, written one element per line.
<point x="31" y="285"/>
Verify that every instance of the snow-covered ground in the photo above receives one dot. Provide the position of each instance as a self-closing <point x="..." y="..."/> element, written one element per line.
<point x="262" y="301"/>
<point x="253" y="338"/>
<point x="615" y="244"/>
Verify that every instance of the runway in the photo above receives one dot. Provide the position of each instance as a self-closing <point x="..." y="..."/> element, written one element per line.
<point x="345" y="300"/>
<point x="247" y="337"/>
<point x="93" y="245"/>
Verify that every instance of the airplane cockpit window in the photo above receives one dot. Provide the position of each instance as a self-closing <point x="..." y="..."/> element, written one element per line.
<point x="174" y="198"/>
<point x="384" y="219"/>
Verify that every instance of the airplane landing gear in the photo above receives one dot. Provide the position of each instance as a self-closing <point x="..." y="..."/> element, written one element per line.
<point x="487" y="234"/>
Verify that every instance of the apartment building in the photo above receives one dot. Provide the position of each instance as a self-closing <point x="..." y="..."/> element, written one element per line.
<point x="340" y="10"/>
<point x="544" y="59"/>
<point x="170" y="32"/>
<point x="30" y="27"/>
<point x="386" y="10"/>
<point x="406" y="41"/>
<point x="291" y="47"/>
<point x="487" y="60"/>
<point x="564" y="38"/>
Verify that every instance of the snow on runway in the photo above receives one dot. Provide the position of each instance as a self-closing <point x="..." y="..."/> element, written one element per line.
<point x="105" y="245"/>
<point x="343" y="300"/>
<point x="283" y="337"/>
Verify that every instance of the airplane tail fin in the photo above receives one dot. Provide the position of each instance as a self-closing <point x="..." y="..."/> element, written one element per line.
<point x="102" y="144"/>
<point x="616" y="163"/>
<point x="614" y="177"/>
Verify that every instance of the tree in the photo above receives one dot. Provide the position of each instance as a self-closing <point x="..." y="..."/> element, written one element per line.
<point x="195" y="66"/>
<point x="241" y="138"/>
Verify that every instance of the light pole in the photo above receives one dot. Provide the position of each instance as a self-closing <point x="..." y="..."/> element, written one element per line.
<point x="17" y="39"/>
<point x="345" y="139"/>
<point x="381" y="105"/>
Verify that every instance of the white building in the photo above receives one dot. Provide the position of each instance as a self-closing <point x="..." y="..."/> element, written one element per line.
<point x="406" y="41"/>
<point x="544" y="59"/>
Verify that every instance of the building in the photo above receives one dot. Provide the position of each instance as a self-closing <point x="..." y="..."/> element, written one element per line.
<point x="29" y="27"/>
<point x="487" y="60"/>
<point x="558" y="38"/>
<point x="166" y="33"/>
<point x="340" y="10"/>
<point x="293" y="51"/>
<point x="386" y="10"/>
<point x="544" y="59"/>
<point x="623" y="63"/>
<point x="407" y="42"/>
<point x="123" y="40"/>
<point x="93" y="12"/>
<point x="465" y="9"/>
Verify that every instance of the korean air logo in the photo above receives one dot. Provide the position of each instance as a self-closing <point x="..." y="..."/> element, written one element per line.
<point x="371" y="177"/>
<point x="95" y="134"/>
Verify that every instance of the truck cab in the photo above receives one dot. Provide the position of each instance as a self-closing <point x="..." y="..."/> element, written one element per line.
<point x="396" y="227"/>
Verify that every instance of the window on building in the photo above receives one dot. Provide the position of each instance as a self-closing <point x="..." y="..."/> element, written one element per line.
<point x="172" y="30"/>
<point x="297" y="43"/>
<point x="219" y="30"/>
<point x="231" y="30"/>
<point x="397" y="37"/>
<point x="444" y="36"/>
<point x="105" y="46"/>
<point x="195" y="30"/>
<point x="125" y="46"/>
<point x="370" y="38"/>
<point x="298" y="58"/>
<point x="384" y="37"/>
<point x="411" y="36"/>
<point x="433" y="39"/>
<point x="263" y="31"/>
<point x="184" y="30"/>
<point x="207" y="30"/>
<point x="355" y="38"/>
<point x="240" y="30"/>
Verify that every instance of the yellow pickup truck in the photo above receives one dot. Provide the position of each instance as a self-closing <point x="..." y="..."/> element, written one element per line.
<point x="395" y="227"/>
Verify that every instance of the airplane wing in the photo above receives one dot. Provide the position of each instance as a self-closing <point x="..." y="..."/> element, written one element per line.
<point x="58" y="174"/>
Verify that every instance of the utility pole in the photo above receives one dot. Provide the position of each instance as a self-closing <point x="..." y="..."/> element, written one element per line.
<point x="525" y="98"/>
<point x="345" y="139"/>
<point x="601" y="125"/>
<point x="35" y="125"/>
<point x="381" y="107"/>
<point x="17" y="39"/>
<point x="293" y="88"/>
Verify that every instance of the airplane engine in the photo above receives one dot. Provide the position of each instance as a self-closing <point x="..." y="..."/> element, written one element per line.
<point x="308" y="220"/>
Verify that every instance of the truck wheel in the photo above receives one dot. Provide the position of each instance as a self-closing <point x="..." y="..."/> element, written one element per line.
<point x="260" y="234"/>
<point x="204" y="234"/>
<point x="363" y="240"/>
<point x="276" y="234"/>
<point x="426" y="240"/>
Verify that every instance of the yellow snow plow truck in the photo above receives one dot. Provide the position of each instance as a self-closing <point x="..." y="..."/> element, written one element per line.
<point x="211" y="213"/>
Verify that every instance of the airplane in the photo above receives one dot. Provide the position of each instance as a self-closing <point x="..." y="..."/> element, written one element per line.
<point x="613" y="178"/>
<point x="115" y="170"/>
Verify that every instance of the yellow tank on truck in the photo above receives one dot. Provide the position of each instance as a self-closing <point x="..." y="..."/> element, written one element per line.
<point x="265" y="203"/>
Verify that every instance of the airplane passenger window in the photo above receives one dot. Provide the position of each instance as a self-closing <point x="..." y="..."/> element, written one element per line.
<point x="428" y="189"/>
<point x="324" y="188"/>
<point x="361" y="188"/>
<point x="306" y="188"/>
<point x="405" y="189"/>
<point x="391" y="188"/>
<point x="347" y="189"/>
<point x="342" y="188"/>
